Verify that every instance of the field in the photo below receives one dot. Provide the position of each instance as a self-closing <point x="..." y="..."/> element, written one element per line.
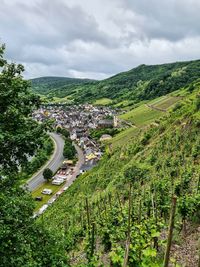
<point x="61" y="100"/>
<point x="37" y="193"/>
<point x="103" y="101"/>
<point x="144" y="115"/>
<point x="141" y="116"/>
<point x="124" y="137"/>
<point x="167" y="103"/>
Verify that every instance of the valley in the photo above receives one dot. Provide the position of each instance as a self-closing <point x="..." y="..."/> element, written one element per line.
<point x="99" y="133"/>
<point x="124" y="184"/>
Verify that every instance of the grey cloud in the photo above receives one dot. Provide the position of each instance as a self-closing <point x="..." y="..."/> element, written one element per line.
<point x="70" y="38"/>
<point x="49" y="24"/>
<point x="169" y="19"/>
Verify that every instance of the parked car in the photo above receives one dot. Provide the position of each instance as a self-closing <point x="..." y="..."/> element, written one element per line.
<point x="57" y="181"/>
<point x="38" y="198"/>
<point x="47" y="191"/>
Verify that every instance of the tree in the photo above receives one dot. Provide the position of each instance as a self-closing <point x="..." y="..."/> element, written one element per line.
<point x="47" y="174"/>
<point x="20" y="136"/>
<point x="69" y="150"/>
<point x="23" y="241"/>
<point x="65" y="133"/>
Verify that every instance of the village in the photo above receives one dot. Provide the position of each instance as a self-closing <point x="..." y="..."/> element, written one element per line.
<point x="78" y="120"/>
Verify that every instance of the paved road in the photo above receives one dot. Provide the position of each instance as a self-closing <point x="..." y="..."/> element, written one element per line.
<point x="70" y="179"/>
<point x="77" y="168"/>
<point x="76" y="172"/>
<point x="53" y="164"/>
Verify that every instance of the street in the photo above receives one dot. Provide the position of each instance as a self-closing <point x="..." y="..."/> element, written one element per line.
<point x="53" y="164"/>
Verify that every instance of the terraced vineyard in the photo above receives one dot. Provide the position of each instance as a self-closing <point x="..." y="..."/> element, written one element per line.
<point x="158" y="160"/>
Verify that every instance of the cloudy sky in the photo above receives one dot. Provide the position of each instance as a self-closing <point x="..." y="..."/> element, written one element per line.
<point x="98" y="38"/>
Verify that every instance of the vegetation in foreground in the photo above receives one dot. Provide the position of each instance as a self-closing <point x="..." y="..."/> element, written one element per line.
<point x="126" y="200"/>
<point x="24" y="242"/>
<point x="118" y="213"/>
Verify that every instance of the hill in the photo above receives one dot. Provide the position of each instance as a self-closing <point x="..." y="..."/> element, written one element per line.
<point x="56" y="85"/>
<point x="126" y="199"/>
<point x="143" y="83"/>
<point x="127" y="88"/>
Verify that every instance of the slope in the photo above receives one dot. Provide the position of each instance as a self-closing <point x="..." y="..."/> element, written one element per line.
<point x="56" y="85"/>
<point x="124" y="89"/>
<point x="129" y="193"/>
<point x="143" y="83"/>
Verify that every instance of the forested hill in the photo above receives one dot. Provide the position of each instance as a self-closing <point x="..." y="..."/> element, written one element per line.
<point x="52" y="84"/>
<point x="141" y="83"/>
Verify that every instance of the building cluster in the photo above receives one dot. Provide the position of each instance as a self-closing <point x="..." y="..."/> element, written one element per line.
<point x="79" y="120"/>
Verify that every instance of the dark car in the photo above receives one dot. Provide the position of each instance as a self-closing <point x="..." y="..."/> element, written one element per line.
<point x="38" y="198"/>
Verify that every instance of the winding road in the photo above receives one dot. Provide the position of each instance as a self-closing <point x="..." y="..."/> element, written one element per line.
<point x="53" y="164"/>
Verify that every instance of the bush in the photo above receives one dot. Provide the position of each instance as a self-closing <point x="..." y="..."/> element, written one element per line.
<point x="47" y="174"/>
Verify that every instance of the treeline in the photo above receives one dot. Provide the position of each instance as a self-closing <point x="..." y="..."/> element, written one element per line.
<point x="42" y="155"/>
<point x="24" y="242"/>
<point x="54" y="86"/>
<point x="69" y="151"/>
<point x="141" y="83"/>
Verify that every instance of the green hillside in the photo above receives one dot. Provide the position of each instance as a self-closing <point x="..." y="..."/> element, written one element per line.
<point x="126" y="199"/>
<point x="56" y="86"/>
<point x="127" y="88"/>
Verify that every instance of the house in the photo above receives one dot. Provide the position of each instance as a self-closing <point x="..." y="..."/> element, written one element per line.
<point x="105" y="124"/>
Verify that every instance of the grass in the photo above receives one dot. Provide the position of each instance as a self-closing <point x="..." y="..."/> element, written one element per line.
<point x="167" y="103"/>
<point x="103" y="101"/>
<point x="123" y="137"/>
<point x="123" y="104"/>
<point x="37" y="193"/>
<point x="158" y="100"/>
<point x="61" y="100"/>
<point x="142" y="115"/>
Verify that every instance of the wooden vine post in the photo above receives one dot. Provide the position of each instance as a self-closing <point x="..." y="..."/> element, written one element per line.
<point x="128" y="231"/>
<point x="92" y="240"/>
<point x="170" y="233"/>
<point x="88" y="213"/>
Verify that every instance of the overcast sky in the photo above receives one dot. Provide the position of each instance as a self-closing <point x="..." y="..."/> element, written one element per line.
<point x="98" y="38"/>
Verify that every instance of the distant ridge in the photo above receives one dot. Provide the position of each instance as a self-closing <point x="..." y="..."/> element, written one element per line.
<point x="141" y="83"/>
<point x="44" y="85"/>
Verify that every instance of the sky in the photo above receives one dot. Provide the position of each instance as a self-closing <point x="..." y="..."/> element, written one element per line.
<point x="98" y="38"/>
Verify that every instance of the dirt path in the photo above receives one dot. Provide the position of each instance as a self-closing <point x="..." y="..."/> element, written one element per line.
<point x="155" y="108"/>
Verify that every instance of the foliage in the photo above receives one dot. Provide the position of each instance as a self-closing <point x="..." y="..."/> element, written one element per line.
<point x="16" y="103"/>
<point x="97" y="133"/>
<point x="47" y="174"/>
<point x="141" y="83"/>
<point x="69" y="150"/>
<point x="55" y="85"/>
<point x="161" y="160"/>
<point x="24" y="242"/>
<point x="42" y="155"/>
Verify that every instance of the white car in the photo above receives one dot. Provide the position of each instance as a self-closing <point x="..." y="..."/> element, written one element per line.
<point x="47" y="191"/>
<point x="57" y="181"/>
<point x="64" y="177"/>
